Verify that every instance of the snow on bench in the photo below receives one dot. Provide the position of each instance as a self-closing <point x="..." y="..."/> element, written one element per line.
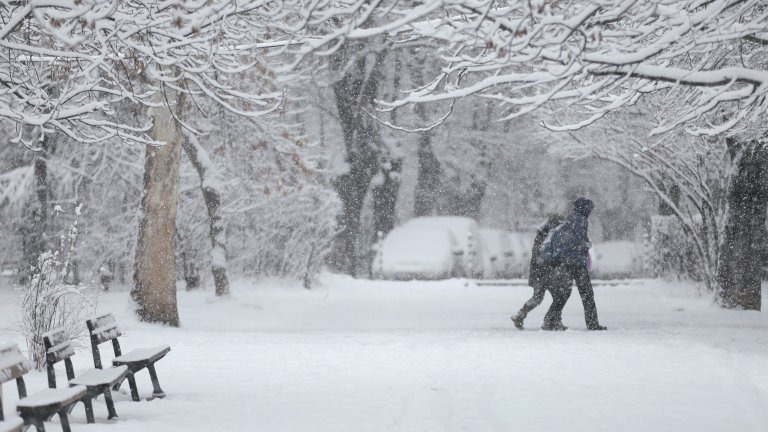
<point x="58" y="347"/>
<point x="142" y="355"/>
<point x="39" y="407"/>
<point x="12" y="365"/>
<point x="104" y="329"/>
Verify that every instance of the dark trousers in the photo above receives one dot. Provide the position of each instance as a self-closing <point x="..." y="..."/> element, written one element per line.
<point x="561" y="291"/>
<point x="533" y="302"/>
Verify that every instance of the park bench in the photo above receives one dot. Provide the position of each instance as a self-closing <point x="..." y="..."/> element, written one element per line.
<point x="104" y="329"/>
<point x="58" y="347"/>
<point x="41" y="406"/>
<point x="7" y="373"/>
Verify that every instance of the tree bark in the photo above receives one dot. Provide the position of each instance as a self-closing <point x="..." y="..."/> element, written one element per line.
<point x="216" y="231"/>
<point x="428" y="178"/>
<point x="351" y="188"/>
<point x="430" y="173"/>
<point x="34" y="232"/>
<point x="740" y="271"/>
<point x="354" y="92"/>
<point x="155" y="267"/>
<point x="385" y="197"/>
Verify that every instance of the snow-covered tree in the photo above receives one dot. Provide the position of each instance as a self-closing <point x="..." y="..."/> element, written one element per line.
<point x="276" y="209"/>
<point x="704" y="61"/>
<point x="690" y="177"/>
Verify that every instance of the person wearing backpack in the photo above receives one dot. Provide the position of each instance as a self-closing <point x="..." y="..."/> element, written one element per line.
<point x="539" y="273"/>
<point x="567" y="251"/>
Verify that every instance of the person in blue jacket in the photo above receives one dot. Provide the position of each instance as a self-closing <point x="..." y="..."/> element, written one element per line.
<point x="567" y="252"/>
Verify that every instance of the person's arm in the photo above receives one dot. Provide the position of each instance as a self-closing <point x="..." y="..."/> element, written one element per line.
<point x="584" y="242"/>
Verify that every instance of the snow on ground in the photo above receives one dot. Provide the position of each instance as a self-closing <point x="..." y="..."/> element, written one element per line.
<point x="365" y="356"/>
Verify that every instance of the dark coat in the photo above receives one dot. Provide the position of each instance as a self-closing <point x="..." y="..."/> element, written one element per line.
<point x="538" y="270"/>
<point x="569" y="243"/>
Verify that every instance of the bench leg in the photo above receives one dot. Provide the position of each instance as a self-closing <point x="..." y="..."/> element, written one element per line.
<point x="64" y="421"/>
<point x="134" y="389"/>
<point x="89" y="410"/>
<point x="110" y="404"/>
<point x="36" y="422"/>
<point x="157" y="391"/>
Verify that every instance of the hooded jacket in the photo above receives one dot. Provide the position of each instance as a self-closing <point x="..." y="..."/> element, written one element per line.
<point x="537" y="269"/>
<point x="568" y="244"/>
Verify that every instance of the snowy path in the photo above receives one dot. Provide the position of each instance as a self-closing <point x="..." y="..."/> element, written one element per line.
<point x="356" y="356"/>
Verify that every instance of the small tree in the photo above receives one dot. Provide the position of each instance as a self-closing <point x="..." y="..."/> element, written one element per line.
<point x="48" y="302"/>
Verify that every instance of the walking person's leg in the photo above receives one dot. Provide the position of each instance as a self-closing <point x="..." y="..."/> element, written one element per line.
<point x="553" y="320"/>
<point x="584" y="284"/>
<point x="531" y="304"/>
<point x="559" y="285"/>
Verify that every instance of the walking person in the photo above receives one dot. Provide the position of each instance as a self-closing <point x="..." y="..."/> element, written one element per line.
<point x="568" y="252"/>
<point x="539" y="273"/>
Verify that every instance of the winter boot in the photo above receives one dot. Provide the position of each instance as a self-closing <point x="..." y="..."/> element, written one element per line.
<point x="518" y="319"/>
<point x="554" y="327"/>
<point x="597" y="327"/>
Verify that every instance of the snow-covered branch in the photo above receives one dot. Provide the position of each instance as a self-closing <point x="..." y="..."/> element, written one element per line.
<point x="709" y="57"/>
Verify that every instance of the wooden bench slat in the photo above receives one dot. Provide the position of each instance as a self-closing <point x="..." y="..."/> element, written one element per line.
<point x="99" y="377"/>
<point x="13" y="364"/>
<point x="51" y="399"/>
<point x="142" y="355"/>
<point x="105" y="320"/>
<point x="61" y="351"/>
<point x="55" y="337"/>
<point x="108" y="332"/>
<point x="58" y="346"/>
<point x="103" y="328"/>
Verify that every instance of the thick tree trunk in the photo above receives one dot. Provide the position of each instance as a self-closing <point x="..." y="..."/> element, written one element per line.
<point x="203" y="165"/>
<point x="739" y="274"/>
<point x="385" y="197"/>
<point x="351" y="188"/>
<point x="428" y="178"/>
<point x="354" y="92"/>
<point x="155" y="267"/>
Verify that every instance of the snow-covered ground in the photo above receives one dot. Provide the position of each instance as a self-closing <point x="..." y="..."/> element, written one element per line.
<point x="361" y="356"/>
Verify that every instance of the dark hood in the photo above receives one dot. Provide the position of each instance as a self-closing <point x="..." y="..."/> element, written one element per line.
<point x="583" y="206"/>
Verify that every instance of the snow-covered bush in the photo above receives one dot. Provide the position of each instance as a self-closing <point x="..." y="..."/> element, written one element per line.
<point x="49" y="302"/>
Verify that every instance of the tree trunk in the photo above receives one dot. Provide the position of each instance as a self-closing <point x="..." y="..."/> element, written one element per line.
<point x="216" y="231"/>
<point x="155" y="267"/>
<point x="427" y="179"/>
<point x="354" y="92"/>
<point x="740" y="269"/>
<point x="385" y="197"/>
<point x="351" y="188"/>
<point x="430" y="173"/>
<point x="34" y="231"/>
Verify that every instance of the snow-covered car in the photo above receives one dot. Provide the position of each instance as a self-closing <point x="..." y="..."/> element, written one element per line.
<point x="498" y="253"/>
<point x="416" y="252"/>
<point x="467" y="234"/>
